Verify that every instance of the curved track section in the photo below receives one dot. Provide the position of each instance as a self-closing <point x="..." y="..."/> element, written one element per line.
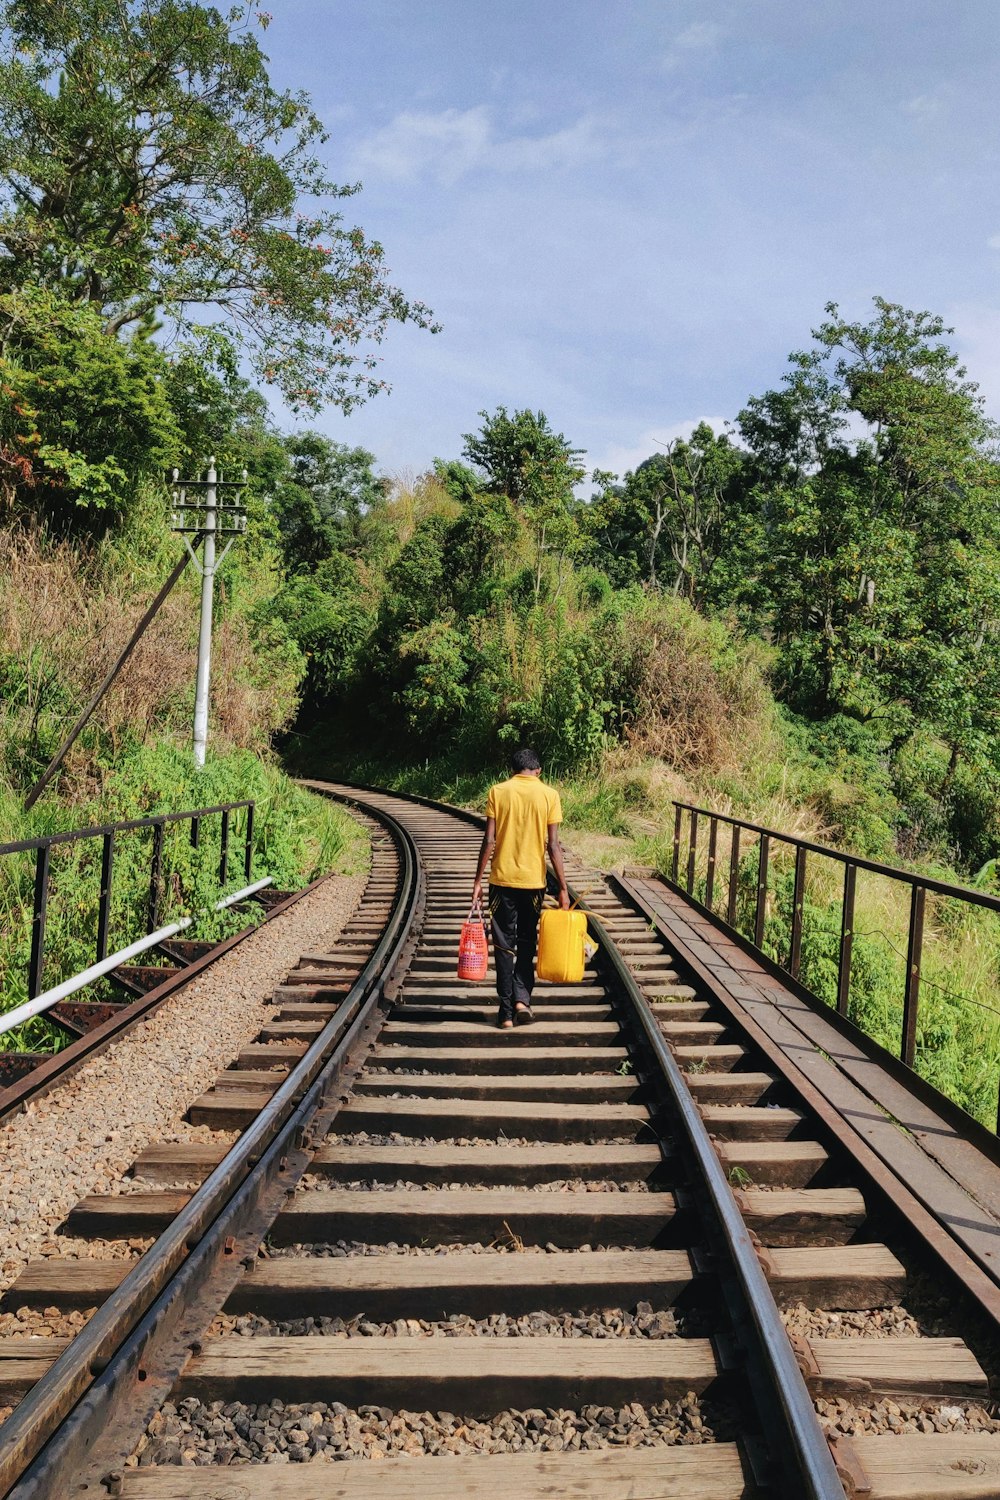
<point x="554" y="1261"/>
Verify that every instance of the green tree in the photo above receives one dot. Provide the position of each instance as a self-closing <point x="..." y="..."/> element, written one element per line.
<point x="677" y="521"/>
<point x="340" y="479"/>
<point x="520" y="455"/>
<point x="461" y="482"/>
<point x="320" y="494"/>
<point x="536" y="469"/>
<point x="878" y="493"/>
<point x="84" y="419"/>
<point x="149" y="169"/>
<point x="329" y="619"/>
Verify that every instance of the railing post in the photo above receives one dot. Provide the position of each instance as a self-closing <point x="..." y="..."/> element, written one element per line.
<point x="692" y="849"/>
<point x="798" y="898"/>
<point x="224" y="849"/>
<point x="248" y="856"/>
<point x="675" y="866"/>
<point x="734" y="876"/>
<point x="758" y="926"/>
<point x="155" y="878"/>
<point x="846" y="939"/>
<point x="104" y="910"/>
<point x="911" y="999"/>
<point x="39" y="912"/>
<point x="713" y="838"/>
<point x="195" y="832"/>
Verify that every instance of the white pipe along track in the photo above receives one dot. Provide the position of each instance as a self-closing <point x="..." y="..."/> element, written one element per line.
<point x="97" y="971"/>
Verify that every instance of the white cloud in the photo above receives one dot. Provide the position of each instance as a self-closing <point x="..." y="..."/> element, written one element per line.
<point x="928" y="107"/>
<point x="450" y="144"/>
<point x="700" y="36"/>
<point x="994" y="242"/>
<point x="619" y="457"/>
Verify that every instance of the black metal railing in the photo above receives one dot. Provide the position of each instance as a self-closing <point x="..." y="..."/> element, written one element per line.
<point x="110" y="835"/>
<point x="921" y="886"/>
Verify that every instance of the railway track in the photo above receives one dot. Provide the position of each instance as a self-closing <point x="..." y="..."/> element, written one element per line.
<point x="432" y="1241"/>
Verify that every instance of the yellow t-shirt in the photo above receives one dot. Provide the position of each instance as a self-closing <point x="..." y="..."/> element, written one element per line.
<point x="523" y="808"/>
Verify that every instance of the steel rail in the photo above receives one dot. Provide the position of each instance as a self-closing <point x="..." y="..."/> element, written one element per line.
<point x="815" y="1473"/>
<point x="42" y="846"/>
<point x="815" y="1468"/>
<point x="51" y="1435"/>
<point x="55" y="1066"/>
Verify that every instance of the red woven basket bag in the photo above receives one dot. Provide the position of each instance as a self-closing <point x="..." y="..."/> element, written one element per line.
<point x="472" y="951"/>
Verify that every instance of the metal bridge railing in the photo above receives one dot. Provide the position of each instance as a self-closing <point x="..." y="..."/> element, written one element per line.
<point x="232" y="844"/>
<point x="684" y="867"/>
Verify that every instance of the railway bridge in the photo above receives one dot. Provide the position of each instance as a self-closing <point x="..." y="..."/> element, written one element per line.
<point x="690" y="1236"/>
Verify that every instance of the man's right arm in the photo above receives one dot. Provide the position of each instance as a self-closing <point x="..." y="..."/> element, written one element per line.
<point x="485" y="854"/>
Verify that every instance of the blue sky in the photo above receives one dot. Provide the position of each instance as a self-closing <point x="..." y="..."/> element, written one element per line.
<point x="627" y="213"/>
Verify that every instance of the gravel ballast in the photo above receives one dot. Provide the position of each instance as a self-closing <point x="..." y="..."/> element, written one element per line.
<point x="488" y="1143"/>
<point x="313" y="1183"/>
<point x="869" y="1323"/>
<point x="858" y="1420"/>
<point x="642" y="1322"/>
<point x="84" y="1135"/>
<point x="192" y="1433"/>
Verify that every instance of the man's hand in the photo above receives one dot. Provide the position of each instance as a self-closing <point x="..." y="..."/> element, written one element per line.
<point x="477" y="892"/>
<point x="564" y="900"/>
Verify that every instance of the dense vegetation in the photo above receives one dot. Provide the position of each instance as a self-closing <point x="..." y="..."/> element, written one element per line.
<point x="165" y="222"/>
<point x="796" y="617"/>
<point x="840" y="544"/>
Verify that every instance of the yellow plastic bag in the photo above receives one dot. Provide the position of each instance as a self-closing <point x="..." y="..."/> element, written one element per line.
<point x="561" y="936"/>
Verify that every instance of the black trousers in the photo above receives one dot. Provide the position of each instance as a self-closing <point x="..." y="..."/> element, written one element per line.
<point x="514" y="917"/>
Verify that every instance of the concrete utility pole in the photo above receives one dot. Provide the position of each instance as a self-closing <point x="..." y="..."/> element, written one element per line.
<point x="207" y="520"/>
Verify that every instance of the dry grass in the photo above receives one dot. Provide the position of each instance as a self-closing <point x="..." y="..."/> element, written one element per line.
<point x="509" y="1240"/>
<point x="62" y="626"/>
<point x="414" y="498"/>
<point x="689" y="709"/>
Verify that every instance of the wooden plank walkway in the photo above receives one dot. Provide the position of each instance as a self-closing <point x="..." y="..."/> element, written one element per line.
<point x="923" y="1150"/>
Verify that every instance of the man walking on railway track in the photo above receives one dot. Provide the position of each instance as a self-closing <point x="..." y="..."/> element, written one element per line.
<point x="522" y="820"/>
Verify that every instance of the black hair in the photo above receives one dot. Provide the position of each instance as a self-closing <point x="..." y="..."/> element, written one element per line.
<point x="525" y="759"/>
